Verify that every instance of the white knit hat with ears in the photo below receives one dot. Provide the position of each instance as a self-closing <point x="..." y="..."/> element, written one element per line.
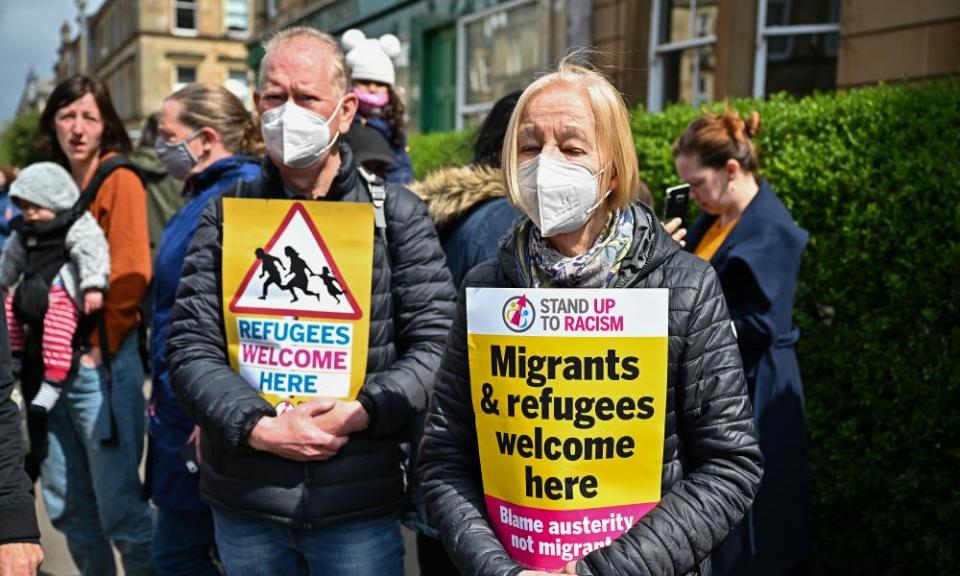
<point x="370" y="58"/>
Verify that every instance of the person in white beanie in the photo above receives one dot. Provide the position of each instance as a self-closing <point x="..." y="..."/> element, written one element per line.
<point x="60" y="264"/>
<point x="374" y="80"/>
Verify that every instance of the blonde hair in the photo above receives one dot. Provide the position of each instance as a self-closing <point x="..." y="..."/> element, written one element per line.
<point x="207" y="106"/>
<point x="613" y="136"/>
<point x="341" y="70"/>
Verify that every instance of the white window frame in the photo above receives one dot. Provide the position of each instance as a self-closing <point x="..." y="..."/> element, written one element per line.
<point x="765" y="32"/>
<point x="226" y="18"/>
<point x="658" y="50"/>
<point x="781" y="56"/>
<point x="196" y="18"/>
<point x="245" y="97"/>
<point x="177" y="84"/>
<point x="464" y="109"/>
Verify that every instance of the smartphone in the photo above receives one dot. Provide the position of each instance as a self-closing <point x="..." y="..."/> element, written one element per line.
<point x="677" y="204"/>
<point x="189" y="456"/>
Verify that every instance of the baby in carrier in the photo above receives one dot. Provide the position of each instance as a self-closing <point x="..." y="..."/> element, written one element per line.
<point x="59" y="260"/>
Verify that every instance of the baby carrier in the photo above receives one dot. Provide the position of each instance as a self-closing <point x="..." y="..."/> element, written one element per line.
<point x="46" y="251"/>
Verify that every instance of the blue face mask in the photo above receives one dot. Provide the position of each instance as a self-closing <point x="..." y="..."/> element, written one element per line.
<point x="178" y="159"/>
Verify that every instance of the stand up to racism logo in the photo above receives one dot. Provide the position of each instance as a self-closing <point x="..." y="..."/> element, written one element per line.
<point x="518" y="313"/>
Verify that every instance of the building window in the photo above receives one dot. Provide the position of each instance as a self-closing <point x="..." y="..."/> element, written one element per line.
<point x="238" y="14"/>
<point x="185" y="16"/>
<point x="796" y="46"/>
<point x="683" y="44"/>
<point x="115" y="29"/>
<point x="271" y="9"/>
<point x="185" y="75"/>
<point x="498" y="51"/>
<point x="237" y="83"/>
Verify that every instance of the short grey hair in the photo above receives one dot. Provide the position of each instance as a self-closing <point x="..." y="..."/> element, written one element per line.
<point x="341" y="70"/>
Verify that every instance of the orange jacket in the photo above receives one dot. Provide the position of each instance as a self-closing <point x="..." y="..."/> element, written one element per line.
<point x="120" y="208"/>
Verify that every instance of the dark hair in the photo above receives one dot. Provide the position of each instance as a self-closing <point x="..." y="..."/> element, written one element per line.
<point x="488" y="143"/>
<point x="114" y="138"/>
<point x="716" y="138"/>
<point x="395" y="113"/>
<point x="148" y="133"/>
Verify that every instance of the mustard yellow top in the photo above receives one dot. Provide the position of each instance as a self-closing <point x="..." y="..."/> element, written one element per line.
<point x="713" y="239"/>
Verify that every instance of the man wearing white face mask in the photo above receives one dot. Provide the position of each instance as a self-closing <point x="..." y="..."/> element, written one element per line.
<point x="317" y="490"/>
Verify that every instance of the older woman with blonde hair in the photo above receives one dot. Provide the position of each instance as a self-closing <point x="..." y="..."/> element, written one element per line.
<point x="570" y="166"/>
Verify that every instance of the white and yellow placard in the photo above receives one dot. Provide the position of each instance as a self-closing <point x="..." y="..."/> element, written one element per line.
<point x="296" y="280"/>
<point x="568" y="389"/>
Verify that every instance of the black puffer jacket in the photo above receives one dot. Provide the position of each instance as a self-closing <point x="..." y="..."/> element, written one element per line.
<point x="411" y="307"/>
<point x="711" y="460"/>
<point x="18" y="516"/>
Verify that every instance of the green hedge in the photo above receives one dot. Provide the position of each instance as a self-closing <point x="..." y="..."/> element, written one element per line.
<point x="873" y="174"/>
<point x="432" y="151"/>
<point x="16" y="147"/>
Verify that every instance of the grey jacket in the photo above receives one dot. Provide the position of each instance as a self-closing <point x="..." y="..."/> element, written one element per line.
<point x="88" y="267"/>
<point x="711" y="460"/>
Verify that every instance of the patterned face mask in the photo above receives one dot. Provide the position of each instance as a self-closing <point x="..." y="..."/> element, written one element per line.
<point x="178" y="158"/>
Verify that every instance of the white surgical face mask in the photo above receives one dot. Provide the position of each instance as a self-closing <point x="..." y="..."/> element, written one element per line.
<point x="296" y="136"/>
<point x="559" y="196"/>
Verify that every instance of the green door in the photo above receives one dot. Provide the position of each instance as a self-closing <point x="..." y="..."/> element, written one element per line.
<point x="439" y="80"/>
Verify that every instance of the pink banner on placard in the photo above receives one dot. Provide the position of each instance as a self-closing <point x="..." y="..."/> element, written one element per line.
<point x="549" y="539"/>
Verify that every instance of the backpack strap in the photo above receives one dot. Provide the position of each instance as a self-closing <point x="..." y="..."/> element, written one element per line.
<point x="111" y="438"/>
<point x="103" y="171"/>
<point x="378" y="195"/>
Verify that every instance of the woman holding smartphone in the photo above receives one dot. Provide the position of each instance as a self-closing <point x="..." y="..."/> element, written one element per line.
<point x="751" y="240"/>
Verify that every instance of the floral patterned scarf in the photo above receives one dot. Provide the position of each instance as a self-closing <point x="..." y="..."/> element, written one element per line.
<point x="595" y="268"/>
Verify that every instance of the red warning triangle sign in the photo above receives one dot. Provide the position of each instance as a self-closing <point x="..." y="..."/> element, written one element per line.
<point x="294" y="274"/>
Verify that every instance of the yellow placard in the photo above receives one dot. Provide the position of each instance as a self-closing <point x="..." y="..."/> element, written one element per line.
<point x="611" y="431"/>
<point x="569" y="396"/>
<point x="296" y="280"/>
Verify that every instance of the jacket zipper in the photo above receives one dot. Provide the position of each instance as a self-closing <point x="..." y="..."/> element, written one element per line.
<point x="646" y="263"/>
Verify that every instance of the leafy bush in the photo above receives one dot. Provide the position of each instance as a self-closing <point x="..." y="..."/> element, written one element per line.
<point x="17" y="146"/>
<point x="430" y="152"/>
<point x="873" y="175"/>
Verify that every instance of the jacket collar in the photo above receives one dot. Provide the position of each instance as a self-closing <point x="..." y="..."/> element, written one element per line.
<point x="700" y="227"/>
<point x="223" y="169"/>
<point x="343" y="183"/>
<point x="449" y="193"/>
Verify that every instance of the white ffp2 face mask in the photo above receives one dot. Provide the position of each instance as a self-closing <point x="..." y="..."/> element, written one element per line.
<point x="559" y="196"/>
<point x="296" y="136"/>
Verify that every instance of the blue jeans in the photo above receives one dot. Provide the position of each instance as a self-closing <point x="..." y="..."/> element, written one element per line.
<point x="183" y="543"/>
<point x="252" y="546"/>
<point x="92" y="491"/>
